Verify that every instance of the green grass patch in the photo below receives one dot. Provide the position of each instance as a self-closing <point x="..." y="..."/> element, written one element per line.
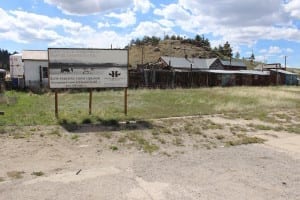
<point x="243" y="140"/>
<point x="21" y="135"/>
<point x="107" y="135"/>
<point x="293" y="128"/>
<point x="15" y="174"/>
<point x="108" y="106"/>
<point x="55" y="133"/>
<point x="178" y="141"/>
<point x="75" y="137"/>
<point x="114" y="148"/>
<point x="2" y="130"/>
<point x="40" y="173"/>
<point x="261" y="127"/>
<point x="142" y="143"/>
<point x="122" y="139"/>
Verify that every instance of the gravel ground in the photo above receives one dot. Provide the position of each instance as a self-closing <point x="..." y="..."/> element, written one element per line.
<point x="89" y="169"/>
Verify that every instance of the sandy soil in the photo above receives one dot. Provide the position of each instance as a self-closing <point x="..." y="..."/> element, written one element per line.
<point x="94" y="163"/>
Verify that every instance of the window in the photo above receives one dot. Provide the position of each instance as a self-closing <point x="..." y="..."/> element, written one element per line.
<point x="45" y="72"/>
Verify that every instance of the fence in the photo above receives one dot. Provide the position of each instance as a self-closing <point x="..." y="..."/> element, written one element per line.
<point x="173" y="79"/>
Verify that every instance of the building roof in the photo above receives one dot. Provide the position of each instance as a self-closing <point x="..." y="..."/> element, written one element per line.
<point x="233" y="63"/>
<point x="249" y="72"/>
<point x="268" y="66"/>
<point x="16" y="55"/>
<point x="176" y="62"/>
<point x="283" y="71"/>
<point x="187" y="63"/>
<point x="203" y="63"/>
<point x="198" y="63"/>
<point x="35" y="55"/>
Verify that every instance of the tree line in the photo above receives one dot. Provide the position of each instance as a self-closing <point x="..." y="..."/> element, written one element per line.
<point x="4" y="59"/>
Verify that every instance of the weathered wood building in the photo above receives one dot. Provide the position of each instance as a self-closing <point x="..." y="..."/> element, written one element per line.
<point x="171" y="72"/>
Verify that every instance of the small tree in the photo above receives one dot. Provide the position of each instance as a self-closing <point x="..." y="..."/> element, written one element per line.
<point x="227" y="51"/>
<point x="198" y="38"/>
<point x="167" y="37"/>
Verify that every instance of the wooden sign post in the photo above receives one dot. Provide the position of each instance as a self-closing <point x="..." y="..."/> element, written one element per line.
<point x="56" y="104"/>
<point x="90" y="101"/>
<point x="125" y="101"/>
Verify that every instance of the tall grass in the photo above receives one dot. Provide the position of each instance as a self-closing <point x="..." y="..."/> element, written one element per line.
<point x="253" y="102"/>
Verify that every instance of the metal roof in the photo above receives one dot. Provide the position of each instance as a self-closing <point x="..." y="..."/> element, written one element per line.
<point x="176" y="62"/>
<point x="203" y="63"/>
<point x="187" y="63"/>
<point x="268" y="66"/>
<point x="198" y="63"/>
<point x="283" y="71"/>
<point x="16" y="55"/>
<point x="35" y="55"/>
<point x="233" y="63"/>
<point x="249" y="72"/>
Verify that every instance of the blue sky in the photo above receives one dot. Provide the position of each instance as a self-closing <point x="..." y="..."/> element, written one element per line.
<point x="269" y="28"/>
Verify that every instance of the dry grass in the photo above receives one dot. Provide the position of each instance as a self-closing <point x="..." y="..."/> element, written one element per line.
<point x="15" y="174"/>
<point x="40" y="173"/>
<point x="243" y="139"/>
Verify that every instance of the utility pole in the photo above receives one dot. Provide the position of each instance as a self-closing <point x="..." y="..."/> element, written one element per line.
<point x="285" y="62"/>
<point x="142" y="54"/>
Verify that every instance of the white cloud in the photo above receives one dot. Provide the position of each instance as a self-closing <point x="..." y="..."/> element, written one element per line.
<point x="271" y="51"/>
<point x="150" y="28"/>
<point x="275" y="50"/>
<point x="173" y="12"/>
<point x="126" y="19"/>
<point x="238" y="13"/>
<point x="28" y="27"/>
<point x="293" y="7"/>
<point x="240" y="22"/>
<point x="289" y="50"/>
<point x="142" y="5"/>
<point x="24" y="27"/>
<point x="106" y="39"/>
<point x="166" y="23"/>
<point x="103" y="25"/>
<point x="86" y="7"/>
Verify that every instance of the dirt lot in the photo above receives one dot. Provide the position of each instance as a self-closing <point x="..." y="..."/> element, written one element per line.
<point x="208" y="157"/>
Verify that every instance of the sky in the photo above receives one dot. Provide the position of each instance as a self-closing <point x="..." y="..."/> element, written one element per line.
<point x="268" y="28"/>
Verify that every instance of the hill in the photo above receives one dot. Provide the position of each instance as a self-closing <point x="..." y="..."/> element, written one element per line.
<point x="148" y="53"/>
<point x="143" y="53"/>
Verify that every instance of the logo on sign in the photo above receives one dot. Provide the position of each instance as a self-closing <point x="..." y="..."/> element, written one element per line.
<point x="114" y="74"/>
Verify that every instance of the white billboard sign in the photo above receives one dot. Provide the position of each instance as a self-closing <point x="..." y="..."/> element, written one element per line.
<point x="88" y="68"/>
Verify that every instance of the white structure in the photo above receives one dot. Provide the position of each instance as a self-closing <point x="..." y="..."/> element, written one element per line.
<point x="16" y="66"/>
<point x="16" y="70"/>
<point x="35" y="68"/>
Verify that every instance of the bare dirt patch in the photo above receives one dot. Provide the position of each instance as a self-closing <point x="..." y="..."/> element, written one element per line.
<point x="197" y="157"/>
